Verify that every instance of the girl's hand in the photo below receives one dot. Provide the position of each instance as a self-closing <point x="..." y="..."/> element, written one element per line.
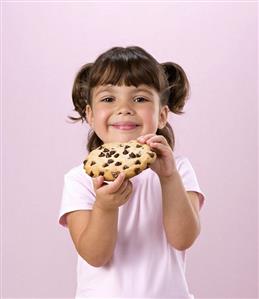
<point x="111" y="196"/>
<point x="164" y="164"/>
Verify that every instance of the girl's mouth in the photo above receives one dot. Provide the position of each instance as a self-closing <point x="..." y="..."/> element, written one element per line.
<point x="127" y="126"/>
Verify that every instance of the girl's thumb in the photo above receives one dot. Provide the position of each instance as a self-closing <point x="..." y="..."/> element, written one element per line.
<point x="98" y="182"/>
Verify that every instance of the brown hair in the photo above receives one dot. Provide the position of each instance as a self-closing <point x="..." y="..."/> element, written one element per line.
<point x="131" y="66"/>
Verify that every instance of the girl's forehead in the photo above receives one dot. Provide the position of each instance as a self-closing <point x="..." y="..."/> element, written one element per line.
<point x="123" y="88"/>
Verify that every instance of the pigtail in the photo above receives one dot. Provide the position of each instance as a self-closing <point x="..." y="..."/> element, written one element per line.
<point x="80" y="92"/>
<point x="178" y="90"/>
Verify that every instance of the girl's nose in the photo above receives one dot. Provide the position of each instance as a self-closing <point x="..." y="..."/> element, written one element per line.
<point x="125" y="110"/>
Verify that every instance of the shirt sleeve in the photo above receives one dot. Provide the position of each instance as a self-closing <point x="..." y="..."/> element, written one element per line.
<point x="78" y="193"/>
<point x="189" y="178"/>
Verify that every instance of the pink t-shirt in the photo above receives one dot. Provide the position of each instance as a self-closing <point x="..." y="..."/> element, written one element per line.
<point x="144" y="265"/>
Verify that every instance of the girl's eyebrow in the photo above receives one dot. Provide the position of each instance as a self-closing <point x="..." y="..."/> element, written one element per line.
<point x="103" y="89"/>
<point x="136" y="90"/>
<point x="143" y="90"/>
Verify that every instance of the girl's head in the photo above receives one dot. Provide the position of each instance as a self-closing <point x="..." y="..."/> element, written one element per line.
<point x="126" y="93"/>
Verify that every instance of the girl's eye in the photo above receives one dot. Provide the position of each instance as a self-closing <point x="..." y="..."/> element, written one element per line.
<point x="107" y="100"/>
<point x="140" y="99"/>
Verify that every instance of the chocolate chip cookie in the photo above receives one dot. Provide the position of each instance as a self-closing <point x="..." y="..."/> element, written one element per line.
<point x="110" y="159"/>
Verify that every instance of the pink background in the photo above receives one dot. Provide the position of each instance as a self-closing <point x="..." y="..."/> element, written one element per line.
<point x="44" y="44"/>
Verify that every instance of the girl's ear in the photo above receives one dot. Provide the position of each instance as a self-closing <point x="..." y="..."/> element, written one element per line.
<point x="89" y="115"/>
<point x="163" y="117"/>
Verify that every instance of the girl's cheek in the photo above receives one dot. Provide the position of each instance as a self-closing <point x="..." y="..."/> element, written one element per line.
<point x="100" y="115"/>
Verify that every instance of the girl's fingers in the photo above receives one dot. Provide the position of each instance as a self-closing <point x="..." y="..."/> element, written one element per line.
<point x="124" y="186"/>
<point x="157" y="147"/>
<point x="127" y="191"/>
<point x="144" y="138"/>
<point x="152" y="138"/>
<point x="115" y="186"/>
<point x="157" y="139"/>
<point x="126" y="198"/>
<point x="98" y="182"/>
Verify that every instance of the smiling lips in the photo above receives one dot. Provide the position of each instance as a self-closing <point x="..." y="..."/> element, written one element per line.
<point x="125" y="126"/>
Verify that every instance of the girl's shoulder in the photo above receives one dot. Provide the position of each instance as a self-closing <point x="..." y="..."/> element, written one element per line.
<point x="180" y="159"/>
<point x="76" y="170"/>
<point x="78" y="174"/>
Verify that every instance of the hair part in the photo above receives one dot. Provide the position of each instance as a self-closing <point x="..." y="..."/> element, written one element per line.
<point x="130" y="66"/>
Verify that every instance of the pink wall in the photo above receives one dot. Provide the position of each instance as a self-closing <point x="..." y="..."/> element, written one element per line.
<point x="44" y="44"/>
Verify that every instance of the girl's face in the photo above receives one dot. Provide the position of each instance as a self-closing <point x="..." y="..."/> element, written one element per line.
<point x="123" y="113"/>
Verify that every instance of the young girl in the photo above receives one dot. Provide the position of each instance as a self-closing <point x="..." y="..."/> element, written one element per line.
<point x="131" y="235"/>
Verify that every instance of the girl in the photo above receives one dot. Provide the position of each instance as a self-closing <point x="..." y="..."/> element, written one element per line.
<point x="131" y="235"/>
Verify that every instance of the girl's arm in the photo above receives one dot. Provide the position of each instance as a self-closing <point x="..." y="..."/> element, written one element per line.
<point x="180" y="212"/>
<point x="94" y="233"/>
<point x="180" y="208"/>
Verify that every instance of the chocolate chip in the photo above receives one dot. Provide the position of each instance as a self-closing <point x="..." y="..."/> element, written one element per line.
<point x="91" y="174"/>
<point x="112" y="152"/>
<point x="127" y="146"/>
<point x="108" y="155"/>
<point x="138" y="155"/>
<point x="151" y="155"/>
<point x="118" y="163"/>
<point x="100" y="147"/>
<point x="138" y="145"/>
<point x="116" y="156"/>
<point x="137" y="162"/>
<point x="101" y="155"/>
<point x="148" y="164"/>
<point x="106" y="150"/>
<point x="110" y="161"/>
<point x="132" y="155"/>
<point x="105" y="165"/>
<point x="92" y="163"/>
<point x="125" y="152"/>
<point x="137" y="170"/>
<point x="125" y="167"/>
<point x="85" y="161"/>
<point x="101" y="173"/>
<point x="115" y="174"/>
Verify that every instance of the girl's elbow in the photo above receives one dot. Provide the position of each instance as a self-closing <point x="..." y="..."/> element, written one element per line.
<point x="181" y="246"/>
<point x="183" y="243"/>
<point x="96" y="261"/>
